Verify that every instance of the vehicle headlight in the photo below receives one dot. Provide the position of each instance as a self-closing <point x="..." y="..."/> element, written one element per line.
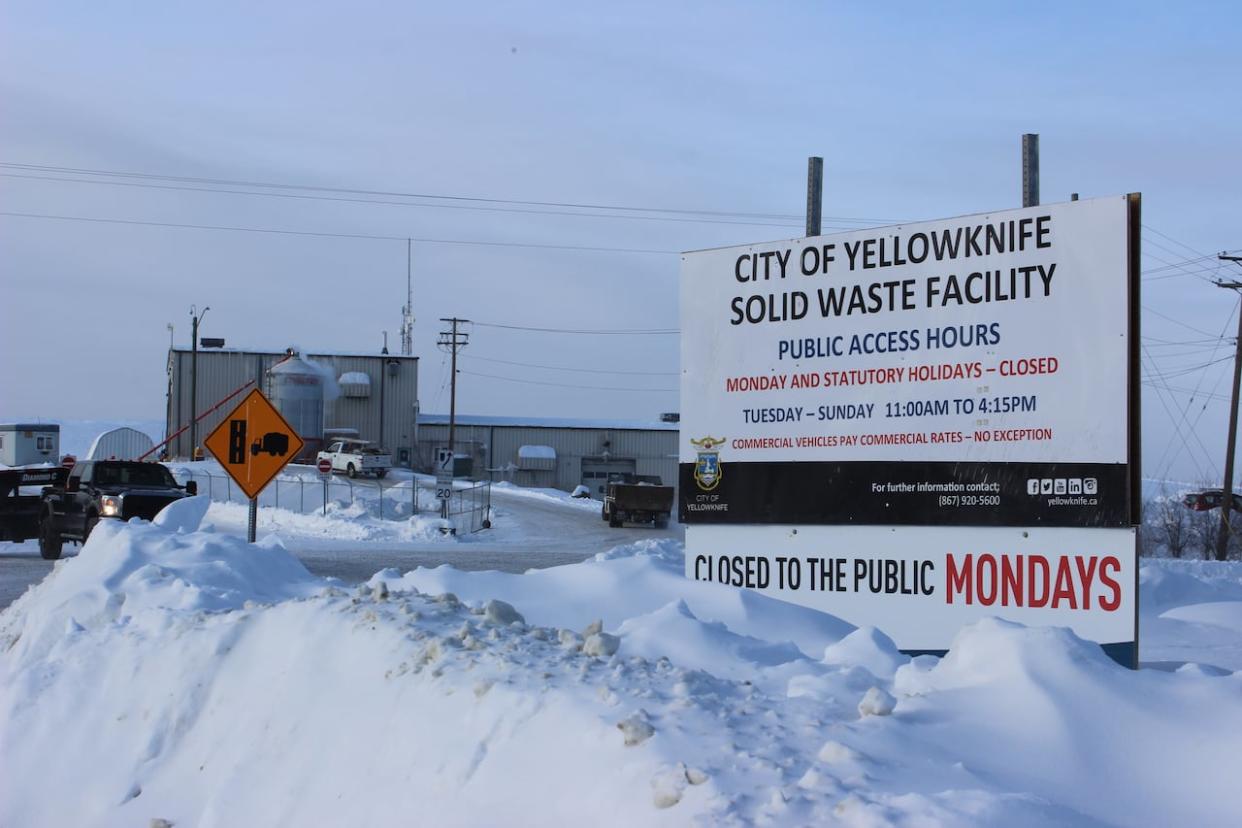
<point x="110" y="505"/>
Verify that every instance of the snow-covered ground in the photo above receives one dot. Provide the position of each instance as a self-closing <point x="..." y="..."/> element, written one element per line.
<point x="173" y="674"/>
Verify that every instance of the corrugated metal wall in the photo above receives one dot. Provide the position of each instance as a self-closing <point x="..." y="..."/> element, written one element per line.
<point x="494" y="447"/>
<point x="386" y="416"/>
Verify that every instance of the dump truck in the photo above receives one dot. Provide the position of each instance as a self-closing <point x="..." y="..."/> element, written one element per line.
<point x="637" y="498"/>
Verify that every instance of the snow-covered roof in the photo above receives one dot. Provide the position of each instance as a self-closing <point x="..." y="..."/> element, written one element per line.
<point x="355" y="378"/>
<point x="536" y="453"/>
<point x="548" y="422"/>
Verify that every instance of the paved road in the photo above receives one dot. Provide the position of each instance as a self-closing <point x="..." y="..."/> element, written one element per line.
<point x="20" y="566"/>
<point x="529" y="533"/>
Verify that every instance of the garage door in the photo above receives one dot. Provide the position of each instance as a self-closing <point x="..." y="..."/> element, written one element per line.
<point x="597" y="470"/>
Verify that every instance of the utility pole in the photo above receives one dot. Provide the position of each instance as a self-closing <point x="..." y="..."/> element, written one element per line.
<point x="1030" y="170"/>
<point x="814" y="194"/>
<point x="454" y="342"/>
<point x="1226" y="501"/>
<point x="196" y="318"/>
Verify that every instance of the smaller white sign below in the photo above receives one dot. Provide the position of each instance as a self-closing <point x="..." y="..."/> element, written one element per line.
<point x="444" y="462"/>
<point x="444" y="476"/>
<point x="921" y="584"/>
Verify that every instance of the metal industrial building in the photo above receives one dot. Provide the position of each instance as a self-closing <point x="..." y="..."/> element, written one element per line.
<point x="554" y="453"/>
<point x="375" y="395"/>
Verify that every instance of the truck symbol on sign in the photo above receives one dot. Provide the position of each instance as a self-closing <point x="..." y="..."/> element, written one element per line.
<point x="274" y="443"/>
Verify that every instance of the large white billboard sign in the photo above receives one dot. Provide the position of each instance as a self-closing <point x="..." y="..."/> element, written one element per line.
<point x="968" y="372"/>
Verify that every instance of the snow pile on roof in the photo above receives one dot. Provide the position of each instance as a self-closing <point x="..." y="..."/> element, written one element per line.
<point x="355" y="378"/>
<point x="167" y="674"/>
<point x="536" y="453"/>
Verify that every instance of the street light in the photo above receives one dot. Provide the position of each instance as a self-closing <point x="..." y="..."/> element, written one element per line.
<point x="196" y="318"/>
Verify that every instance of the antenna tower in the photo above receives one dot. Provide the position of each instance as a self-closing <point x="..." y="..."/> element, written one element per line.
<point x="407" y="312"/>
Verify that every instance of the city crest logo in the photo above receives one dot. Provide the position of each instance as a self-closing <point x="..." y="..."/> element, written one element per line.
<point x="707" y="471"/>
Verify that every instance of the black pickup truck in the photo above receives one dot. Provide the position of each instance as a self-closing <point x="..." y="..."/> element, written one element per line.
<point x="70" y="504"/>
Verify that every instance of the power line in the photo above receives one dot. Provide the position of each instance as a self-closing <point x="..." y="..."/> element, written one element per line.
<point x="1175" y="241"/>
<point x="1154" y="342"/>
<point x="1176" y="322"/>
<point x="328" y="235"/>
<point x="570" y="385"/>
<point x="1181" y="262"/>
<point x="1181" y="268"/>
<point x="431" y="196"/>
<point x="1192" y="392"/>
<point x="381" y="202"/>
<point x="597" y="332"/>
<point x="1181" y="372"/>
<point x="577" y="370"/>
<point x="1177" y="430"/>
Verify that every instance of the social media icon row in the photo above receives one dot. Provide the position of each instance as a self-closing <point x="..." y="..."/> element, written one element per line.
<point x="1062" y="486"/>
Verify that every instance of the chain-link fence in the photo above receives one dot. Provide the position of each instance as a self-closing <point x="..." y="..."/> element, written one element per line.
<point x="469" y="508"/>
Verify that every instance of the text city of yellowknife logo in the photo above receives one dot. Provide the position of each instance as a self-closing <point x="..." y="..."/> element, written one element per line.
<point x="707" y="471"/>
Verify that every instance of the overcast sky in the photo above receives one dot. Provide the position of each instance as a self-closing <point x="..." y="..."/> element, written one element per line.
<point x="918" y="113"/>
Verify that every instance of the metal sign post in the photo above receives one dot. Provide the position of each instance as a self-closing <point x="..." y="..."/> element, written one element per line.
<point x="253" y="522"/>
<point x="325" y="471"/>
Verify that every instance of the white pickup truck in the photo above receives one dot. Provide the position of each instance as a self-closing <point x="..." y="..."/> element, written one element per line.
<point x="355" y="457"/>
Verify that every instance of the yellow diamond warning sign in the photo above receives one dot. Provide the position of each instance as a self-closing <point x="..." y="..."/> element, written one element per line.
<point x="254" y="443"/>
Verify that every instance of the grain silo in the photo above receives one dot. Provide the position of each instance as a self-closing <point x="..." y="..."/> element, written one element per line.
<point x="295" y="387"/>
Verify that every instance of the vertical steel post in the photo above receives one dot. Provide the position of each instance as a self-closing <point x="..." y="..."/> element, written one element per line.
<point x="814" y="194"/>
<point x="1030" y="170"/>
<point x="253" y="521"/>
<point x="193" y="386"/>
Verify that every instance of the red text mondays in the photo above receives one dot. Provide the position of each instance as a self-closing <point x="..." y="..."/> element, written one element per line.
<point x="1070" y="582"/>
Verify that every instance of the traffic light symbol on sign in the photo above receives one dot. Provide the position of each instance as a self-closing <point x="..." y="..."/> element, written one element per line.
<point x="237" y="442"/>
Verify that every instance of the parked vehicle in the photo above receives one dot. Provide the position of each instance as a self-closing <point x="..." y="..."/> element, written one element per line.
<point x="355" y="457"/>
<point x="19" y="513"/>
<point x="71" y="503"/>
<point x="1210" y="499"/>
<point x="637" y="499"/>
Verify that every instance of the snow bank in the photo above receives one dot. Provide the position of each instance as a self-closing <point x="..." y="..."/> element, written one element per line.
<point x="1042" y="711"/>
<point x="1191" y="614"/>
<point x="341" y="523"/>
<point x="506" y="489"/>
<point x="168" y="674"/>
<point x="638" y="579"/>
